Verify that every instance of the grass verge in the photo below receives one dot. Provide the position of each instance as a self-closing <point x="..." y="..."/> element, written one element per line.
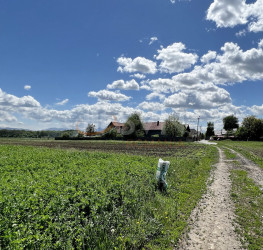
<point x="250" y="149"/>
<point x="248" y="208"/>
<point x="229" y="155"/>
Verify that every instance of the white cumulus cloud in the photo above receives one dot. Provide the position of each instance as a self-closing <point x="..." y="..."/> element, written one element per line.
<point x="7" y="117"/>
<point x="257" y="110"/>
<point x="174" y="60"/>
<point x="229" y="13"/>
<point x="154" y="96"/>
<point x="138" y="75"/>
<point x="151" y="106"/>
<point x="198" y="99"/>
<point x="233" y="65"/>
<point x="8" y="100"/>
<point x="138" y="64"/>
<point x="211" y="55"/>
<point x="109" y="95"/>
<point x="121" y="84"/>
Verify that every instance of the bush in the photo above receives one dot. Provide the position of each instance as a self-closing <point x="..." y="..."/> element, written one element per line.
<point x="65" y="136"/>
<point x="111" y="134"/>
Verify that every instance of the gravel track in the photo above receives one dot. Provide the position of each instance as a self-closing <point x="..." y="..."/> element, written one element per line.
<point x="254" y="172"/>
<point x="212" y="221"/>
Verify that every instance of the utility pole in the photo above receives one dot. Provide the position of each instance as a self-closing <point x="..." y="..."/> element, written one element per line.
<point x="197" y="127"/>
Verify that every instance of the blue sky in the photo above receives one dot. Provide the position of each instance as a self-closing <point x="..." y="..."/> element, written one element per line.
<point x="68" y="62"/>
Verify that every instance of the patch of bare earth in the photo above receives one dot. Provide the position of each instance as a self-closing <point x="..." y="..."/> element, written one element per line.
<point x="212" y="221"/>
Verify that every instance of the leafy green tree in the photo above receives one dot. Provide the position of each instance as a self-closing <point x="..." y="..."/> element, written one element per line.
<point x="111" y="134"/>
<point x="210" y="130"/>
<point x="251" y="129"/>
<point x="173" y="128"/>
<point x="242" y="133"/>
<point x="65" y="135"/>
<point x="133" y="128"/>
<point x="43" y="134"/>
<point x="90" y="129"/>
<point x="80" y="135"/>
<point x="186" y="134"/>
<point x="230" y="122"/>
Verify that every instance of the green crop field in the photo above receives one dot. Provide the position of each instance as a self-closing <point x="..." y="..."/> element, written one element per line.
<point x="70" y="199"/>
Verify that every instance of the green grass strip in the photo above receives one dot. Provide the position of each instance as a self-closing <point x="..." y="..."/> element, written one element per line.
<point x="229" y="155"/>
<point x="248" y="208"/>
<point x="250" y="149"/>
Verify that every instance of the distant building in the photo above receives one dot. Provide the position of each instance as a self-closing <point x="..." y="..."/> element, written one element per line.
<point x="150" y="128"/>
<point x="117" y="125"/>
<point x="153" y="128"/>
<point x="193" y="133"/>
<point x="223" y="134"/>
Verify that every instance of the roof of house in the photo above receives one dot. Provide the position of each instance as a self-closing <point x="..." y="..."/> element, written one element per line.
<point x="147" y="125"/>
<point x="118" y="124"/>
<point x="153" y="126"/>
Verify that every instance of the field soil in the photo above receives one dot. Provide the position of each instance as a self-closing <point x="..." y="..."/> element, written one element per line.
<point x="159" y="149"/>
<point x="212" y="221"/>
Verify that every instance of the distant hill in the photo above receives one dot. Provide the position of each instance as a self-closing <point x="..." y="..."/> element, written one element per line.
<point x="8" y="128"/>
<point x="57" y="129"/>
<point x="48" y="129"/>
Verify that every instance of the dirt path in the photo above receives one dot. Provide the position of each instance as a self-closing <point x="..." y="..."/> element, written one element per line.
<point x="212" y="221"/>
<point x="253" y="171"/>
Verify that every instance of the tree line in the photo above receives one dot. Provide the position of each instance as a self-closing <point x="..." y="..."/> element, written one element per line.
<point x="251" y="128"/>
<point x="17" y="133"/>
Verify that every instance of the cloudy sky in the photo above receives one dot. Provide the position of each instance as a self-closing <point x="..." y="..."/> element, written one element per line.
<point x="66" y="63"/>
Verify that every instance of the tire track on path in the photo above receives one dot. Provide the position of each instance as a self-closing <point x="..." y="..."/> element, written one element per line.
<point x="212" y="221"/>
<point x="254" y="172"/>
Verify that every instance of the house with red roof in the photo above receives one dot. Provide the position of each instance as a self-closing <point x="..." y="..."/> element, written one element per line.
<point x="117" y="125"/>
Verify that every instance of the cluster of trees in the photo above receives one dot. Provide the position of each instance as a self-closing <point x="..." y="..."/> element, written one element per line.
<point x="251" y="128"/>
